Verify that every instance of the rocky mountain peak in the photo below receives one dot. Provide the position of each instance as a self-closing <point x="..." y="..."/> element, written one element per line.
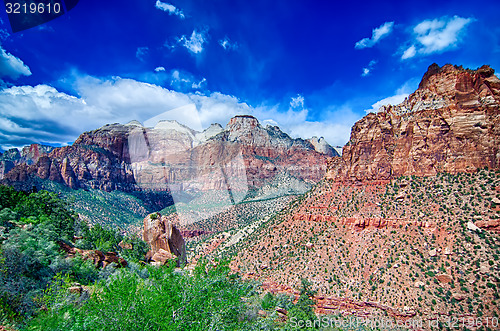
<point x="447" y="85"/>
<point x="172" y="125"/>
<point x="321" y="146"/>
<point x="134" y="123"/>
<point x="242" y="122"/>
<point x="133" y="157"/>
<point x="451" y="123"/>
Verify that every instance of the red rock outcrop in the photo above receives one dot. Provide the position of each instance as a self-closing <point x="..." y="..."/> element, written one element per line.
<point x="451" y="123"/>
<point x="98" y="258"/>
<point x="164" y="238"/>
<point x="28" y="155"/>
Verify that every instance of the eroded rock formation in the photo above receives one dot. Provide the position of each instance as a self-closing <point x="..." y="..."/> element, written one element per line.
<point x="98" y="258"/>
<point x="164" y="238"/>
<point x="171" y="157"/>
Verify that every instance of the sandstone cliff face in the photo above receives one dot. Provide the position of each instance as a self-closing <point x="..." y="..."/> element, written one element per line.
<point x="172" y="157"/>
<point x="164" y="238"/>
<point x="321" y="146"/>
<point x="451" y="123"/>
<point x="28" y="155"/>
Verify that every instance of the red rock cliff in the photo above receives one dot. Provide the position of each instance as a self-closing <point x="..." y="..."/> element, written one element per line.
<point x="451" y="123"/>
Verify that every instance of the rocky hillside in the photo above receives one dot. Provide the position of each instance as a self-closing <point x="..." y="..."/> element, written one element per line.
<point x="406" y="222"/>
<point x="451" y="123"/>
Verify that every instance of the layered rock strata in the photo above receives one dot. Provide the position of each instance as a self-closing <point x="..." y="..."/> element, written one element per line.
<point x="451" y="123"/>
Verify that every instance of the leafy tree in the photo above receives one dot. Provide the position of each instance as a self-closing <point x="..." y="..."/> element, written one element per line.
<point x="54" y="210"/>
<point x="268" y="301"/>
<point x="101" y="238"/>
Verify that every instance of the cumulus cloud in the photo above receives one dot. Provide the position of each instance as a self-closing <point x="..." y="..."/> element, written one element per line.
<point x="169" y="8"/>
<point x="42" y="113"/>
<point x="199" y="85"/>
<point x="377" y="34"/>
<point x="194" y="43"/>
<point x="392" y="100"/>
<point x="227" y="44"/>
<point x="436" y="36"/>
<point x="11" y="66"/>
<point x="160" y="69"/>
<point x="368" y="68"/>
<point x="185" y="81"/>
<point x="409" y="53"/>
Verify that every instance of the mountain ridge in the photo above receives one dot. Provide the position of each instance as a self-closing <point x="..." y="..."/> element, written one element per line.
<point x="449" y="124"/>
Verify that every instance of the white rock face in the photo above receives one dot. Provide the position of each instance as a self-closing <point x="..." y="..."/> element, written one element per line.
<point x="321" y="146"/>
<point x="208" y="133"/>
<point x="174" y="126"/>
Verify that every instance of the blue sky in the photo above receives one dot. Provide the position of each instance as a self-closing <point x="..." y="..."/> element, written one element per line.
<point x="312" y="67"/>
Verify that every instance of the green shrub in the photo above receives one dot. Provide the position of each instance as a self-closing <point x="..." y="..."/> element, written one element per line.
<point x="164" y="300"/>
<point x="268" y="301"/>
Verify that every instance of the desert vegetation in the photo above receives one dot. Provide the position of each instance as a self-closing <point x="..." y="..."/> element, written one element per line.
<point x="413" y="244"/>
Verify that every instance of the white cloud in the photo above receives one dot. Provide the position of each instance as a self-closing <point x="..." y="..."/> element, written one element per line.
<point x="169" y="8"/>
<point x="297" y="102"/>
<point x="42" y="113"/>
<point x="195" y="43"/>
<point x="369" y="68"/>
<point x="182" y="81"/>
<point x="200" y="84"/>
<point x="377" y="34"/>
<point x="11" y="66"/>
<point x="436" y="36"/>
<point x="409" y="53"/>
<point x="160" y="69"/>
<point x="392" y="100"/>
<point x="398" y="97"/>
<point x="227" y="44"/>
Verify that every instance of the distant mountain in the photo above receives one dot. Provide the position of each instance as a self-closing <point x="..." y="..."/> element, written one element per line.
<point x="27" y="155"/>
<point x="171" y="158"/>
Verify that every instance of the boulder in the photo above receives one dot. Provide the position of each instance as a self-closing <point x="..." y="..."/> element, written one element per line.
<point x="418" y="284"/>
<point x="98" y="258"/>
<point x="125" y="245"/>
<point x="443" y="278"/>
<point x="458" y="296"/>
<point x="161" y="234"/>
<point x="471" y="226"/>
<point x="163" y="256"/>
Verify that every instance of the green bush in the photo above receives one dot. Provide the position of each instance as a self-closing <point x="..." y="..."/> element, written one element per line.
<point x="164" y="300"/>
<point x="268" y="301"/>
<point x="138" y="251"/>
